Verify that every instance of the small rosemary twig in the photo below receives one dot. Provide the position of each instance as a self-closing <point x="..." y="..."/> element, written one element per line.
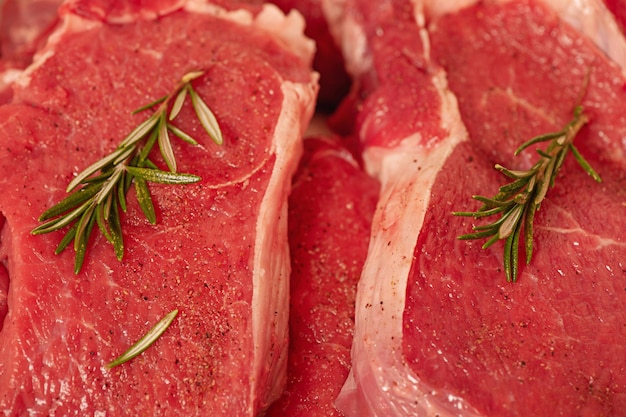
<point x="100" y="190"/>
<point x="146" y="341"/>
<point x="518" y="201"/>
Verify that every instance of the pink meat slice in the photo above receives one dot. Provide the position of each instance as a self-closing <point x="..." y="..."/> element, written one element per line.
<point x="554" y="342"/>
<point x="439" y="331"/>
<point x="24" y="27"/>
<point x="219" y="251"/>
<point x="330" y="212"/>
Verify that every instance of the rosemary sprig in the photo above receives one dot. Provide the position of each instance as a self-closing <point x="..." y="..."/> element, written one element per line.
<point x="146" y="341"/>
<point x="99" y="192"/>
<point x="518" y="201"/>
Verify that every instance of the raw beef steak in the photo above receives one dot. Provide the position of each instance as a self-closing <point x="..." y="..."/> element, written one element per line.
<point x="330" y="212"/>
<point x="439" y="331"/>
<point x="24" y="28"/>
<point x="219" y="250"/>
<point x="328" y="61"/>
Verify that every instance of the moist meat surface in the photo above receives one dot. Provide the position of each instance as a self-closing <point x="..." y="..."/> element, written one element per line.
<point x="471" y="343"/>
<point x="330" y="211"/>
<point x="552" y="343"/>
<point x="206" y="255"/>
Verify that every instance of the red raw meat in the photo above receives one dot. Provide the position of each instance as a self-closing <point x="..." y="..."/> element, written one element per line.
<point x="219" y="251"/>
<point x="328" y="61"/>
<point x="24" y="28"/>
<point x="330" y="212"/>
<point x="438" y="329"/>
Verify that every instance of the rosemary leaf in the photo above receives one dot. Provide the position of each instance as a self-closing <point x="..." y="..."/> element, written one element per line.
<point x="584" y="164"/>
<point x="162" y="177"/>
<point x="178" y="103"/>
<point x="511" y="219"/>
<point x="117" y="238"/>
<point x="545" y="182"/>
<point x="518" y="201"/>
<point x="490" y="202"/>
<point x="481" y="212"/>
<point x="511" y="255"/>
<point x="99" y="191"/>
<point x="82" y="228"/>
<point x="92" y="169"/>
<point x="140" y="131"/>
<point x="145" y="150"/>
<point x="191" y="75"/>
<point x="206" y="117"/>
<point x="69" y="202"/>
<point x="61" y="222"/>
<point x="107" y="203"/>
<point x="146" y="341"/>
<point x="540" y="138"/>
<point x="163" y="138"/>
<point x="491" y="241"/>
<point x="144" y="199"/>
<point x="67" y="239"/>
<point x="148" y="164"/>
<point x="477" y="235"/>
<point x="101" y="223"/>
<point x="494" y="227"/>
<point x="122" y="188"/>
<point x="81" y="249"/>
<point x="529" y="219"/>
<point x="513" y="174"/>
<point x="182" y="135"/>
<point x="151" y="105"/>
<point x="513" y="187"/>
<point x="109" y="185"/>
<point x="558" y="163"/>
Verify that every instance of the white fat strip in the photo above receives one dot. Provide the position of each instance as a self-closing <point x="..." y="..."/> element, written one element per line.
<point x="381" y="383"/>
<point x="270" y="282"/>
<point x="593" y="19"/>
<point x="348" y="36"/>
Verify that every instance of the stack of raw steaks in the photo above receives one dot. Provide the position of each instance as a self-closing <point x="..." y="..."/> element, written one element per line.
<point x="306" y="197"/>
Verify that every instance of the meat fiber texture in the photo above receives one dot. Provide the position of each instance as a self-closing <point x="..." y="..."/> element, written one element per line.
<point x="330" y="212"/>
<point x="219" y="251"/>
<point x="24" y="27"/>
<point x="439" y="331"/>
